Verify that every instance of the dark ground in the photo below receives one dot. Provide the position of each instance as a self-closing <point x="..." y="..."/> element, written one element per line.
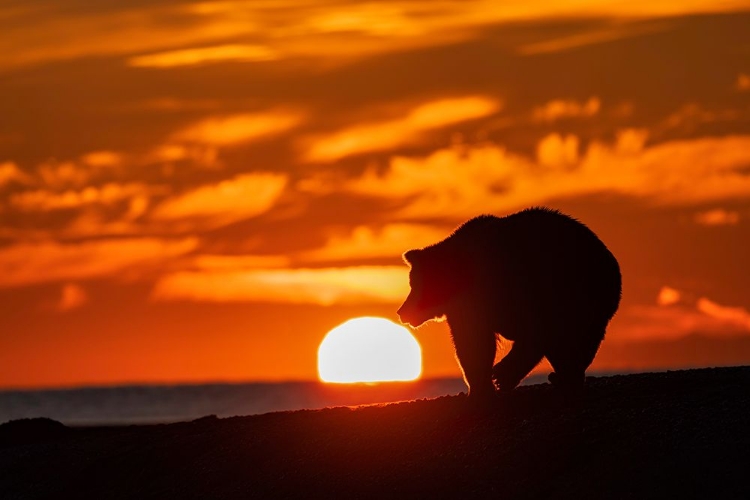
<point x="659" y="435"/>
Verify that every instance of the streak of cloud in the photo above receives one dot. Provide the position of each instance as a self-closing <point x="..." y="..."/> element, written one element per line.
<point x="239" y="128"/>
<point x="103" y="158"/>
<point x="364" y="242"/>
<point x="385" y="135"/>
<point x="717" y="217"/>
<point x="241" y="197"/>
<point x="559" y="108"/>
<point x="734" y="315"/>
<point x="44" y="200"/>
<point x="610" y="34"/>
<point x="301" y="27"/>
<point x="644" y="322"/>
<point x="679" y="314"/>
<point x="203" y="55"/>
<point x="41" y="262"/>
<point x="326" y="286"/>
<point x="210" y="262"/>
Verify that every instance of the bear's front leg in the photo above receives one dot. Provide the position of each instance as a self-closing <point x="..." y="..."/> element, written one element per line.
<point x="475" y="351"/>
<point x="521" y="359"/>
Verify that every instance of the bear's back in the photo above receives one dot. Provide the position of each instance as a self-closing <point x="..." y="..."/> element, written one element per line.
<point x="541" y="255"/>
<point x="531" y="230"/>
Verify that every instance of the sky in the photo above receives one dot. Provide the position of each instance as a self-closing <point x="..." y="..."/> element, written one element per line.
<point x="199" y="191"/>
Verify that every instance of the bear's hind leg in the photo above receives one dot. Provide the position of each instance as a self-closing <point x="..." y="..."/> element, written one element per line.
<point x="521" y="359"/>
<point x="475" y="351"/>
<point x="571" y="359"/>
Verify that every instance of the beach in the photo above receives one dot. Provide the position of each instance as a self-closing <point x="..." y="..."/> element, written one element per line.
<point x="678" y="434"/>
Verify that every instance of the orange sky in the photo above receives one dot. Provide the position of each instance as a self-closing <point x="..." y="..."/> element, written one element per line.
<point x="200" y="191"/>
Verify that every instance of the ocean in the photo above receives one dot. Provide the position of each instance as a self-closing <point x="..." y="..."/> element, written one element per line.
<point x="145" y="404"/>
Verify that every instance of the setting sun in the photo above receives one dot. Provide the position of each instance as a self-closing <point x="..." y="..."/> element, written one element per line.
<point x="369" y="349"/>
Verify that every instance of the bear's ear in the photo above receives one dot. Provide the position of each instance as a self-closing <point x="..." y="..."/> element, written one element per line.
<point x="412" y="256"/>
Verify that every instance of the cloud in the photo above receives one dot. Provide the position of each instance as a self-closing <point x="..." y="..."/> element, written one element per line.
<point x="202" y="55"/>
<point x="327" y="286"/>
<point x="679" y="314"/>
<point x="40" y="262"/>
<point x="299" y="28"/>
<point x="743" y="82"/>
<point x="103" y="158"/>
<point x="676" y="321"/>
<point x="72" y="297"/>
<point x="59" y="175"/>
<point x="734" y="315"/>
<point x="557" y="109"/>
<point x="235" y="129"/>
<point x="385" y="135"/>
<point x="10" y="174"/>
<point x="717" y="217"/>
<point x="240" y="197"/>
<point x="668" y="296"/>
<point x="75" y="33"/>
<point x="595" y="37"/>
<point x="555" y="150"/>
<point x="463" y="181"/>
<point x="233" y="262"/>
<point x="44" y="200"/>
<point x="365" y="242"/>
<point x="691" y="115"/>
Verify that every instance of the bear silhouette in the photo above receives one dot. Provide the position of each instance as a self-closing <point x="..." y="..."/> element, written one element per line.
<point x="538" y="277"/>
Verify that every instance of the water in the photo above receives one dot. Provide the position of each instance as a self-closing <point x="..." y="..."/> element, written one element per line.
<point x="159" y="403"/>
<point x="138" y="404"/>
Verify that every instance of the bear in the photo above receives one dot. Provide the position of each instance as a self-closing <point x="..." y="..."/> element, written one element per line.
<point x="538" y="278"/>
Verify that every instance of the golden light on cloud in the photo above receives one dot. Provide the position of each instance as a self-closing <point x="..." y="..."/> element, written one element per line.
<point x="374" y="19"/>
<point x="557" y="151"/>
<point x="679" y="314"/>
<point x="384" y="135"/>
<point x="668" y="296"/>
<point x="40" y="262"/>
<point x="717" y="217"/>
<point x="240" y="197"/>
<point x="365" y="242"/>
<point x="325" y="286"/>
<point x="239" y="128"/>
<point x="736" y="315"/>
<point x="158" y="30"/>
<point x="234" y="262"/>
<point x="45" y="200"/>
<point x="10" y="173"/>
<point x="102" y="158"/>
<point x="369" y="349"/>
<point x="559" y="108"/>
<point x="204" y="55"/>
<point x="487" y="178"/>
<point x="597" y="36"/>
<point x="72" y="297"/>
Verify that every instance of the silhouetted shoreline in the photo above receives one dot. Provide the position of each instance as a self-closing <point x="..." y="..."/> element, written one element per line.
<point x="654" y="435"/>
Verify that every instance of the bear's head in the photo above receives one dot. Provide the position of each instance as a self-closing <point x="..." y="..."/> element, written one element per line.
<point x="434" y="278"/>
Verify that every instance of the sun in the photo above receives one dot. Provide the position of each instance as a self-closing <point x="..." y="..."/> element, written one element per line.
<point x="369" y="349"/>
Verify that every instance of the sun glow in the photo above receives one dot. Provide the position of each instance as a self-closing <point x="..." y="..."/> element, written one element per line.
<point x="369" y="349"/>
